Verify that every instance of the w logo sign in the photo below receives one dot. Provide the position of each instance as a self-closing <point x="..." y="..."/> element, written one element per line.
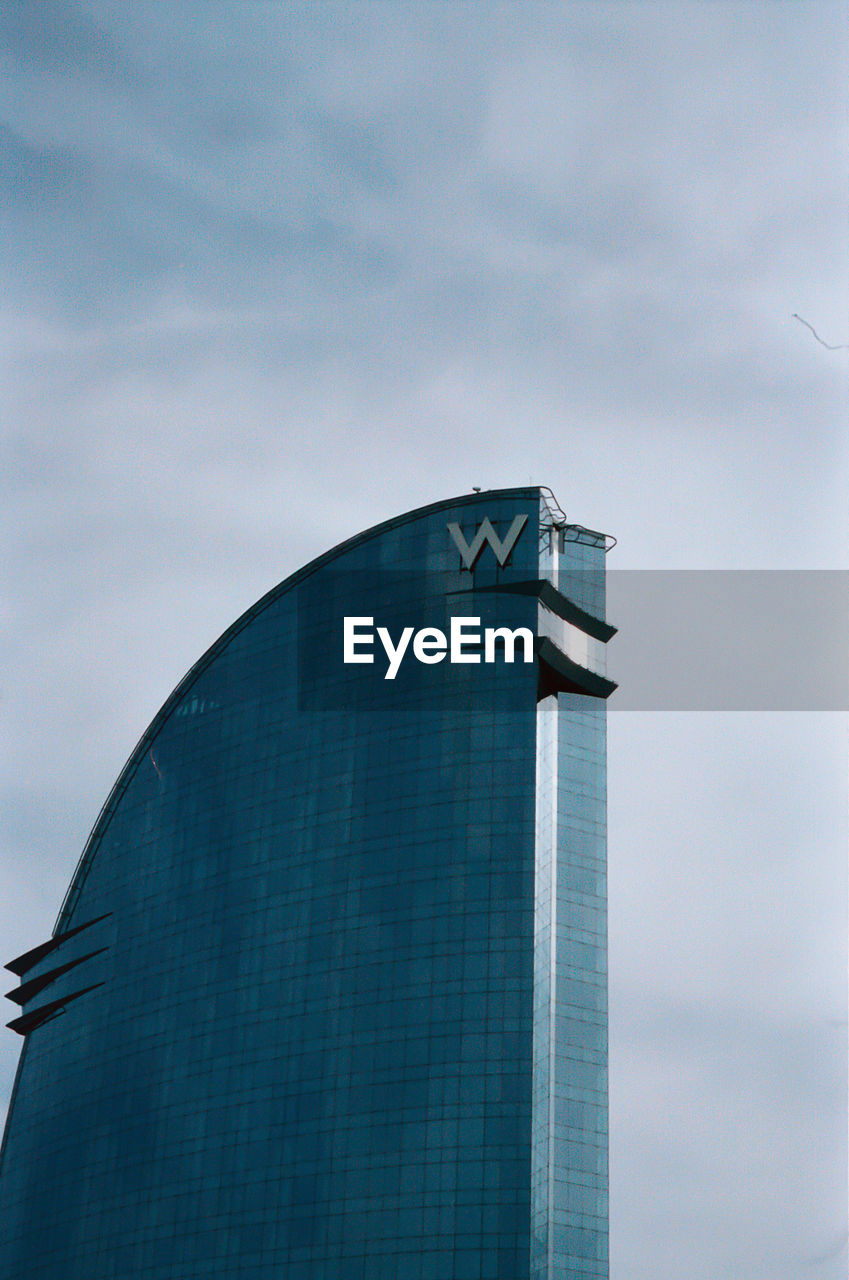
<point x="502" y="548"/>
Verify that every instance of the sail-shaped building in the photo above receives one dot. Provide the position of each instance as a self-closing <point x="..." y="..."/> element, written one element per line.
<point x="327" y="995"/>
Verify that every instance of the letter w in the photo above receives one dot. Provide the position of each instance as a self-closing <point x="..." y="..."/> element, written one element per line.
<point x="486" y="533"/>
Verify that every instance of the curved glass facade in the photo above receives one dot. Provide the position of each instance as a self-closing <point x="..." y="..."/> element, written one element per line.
<point x="326" y="999"/>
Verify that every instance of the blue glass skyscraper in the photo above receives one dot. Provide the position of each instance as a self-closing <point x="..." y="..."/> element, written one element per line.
<point x="326" y="999"/>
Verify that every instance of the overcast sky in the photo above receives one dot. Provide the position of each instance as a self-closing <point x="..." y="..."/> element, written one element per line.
<point x="277" y="272"/>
